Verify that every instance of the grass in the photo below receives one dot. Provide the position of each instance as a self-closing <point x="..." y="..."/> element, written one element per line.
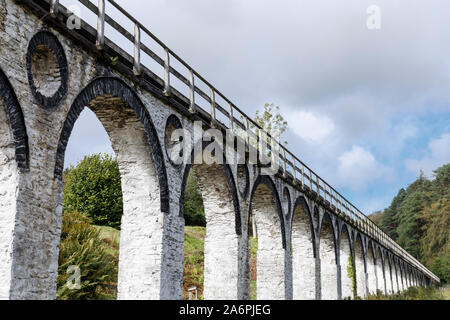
<point x="194" y="239"/>
<point x="446" y="292"/>
<point x="193" y="259"/>
<point x="414" y="293"/>
<point x="111" y="239"/>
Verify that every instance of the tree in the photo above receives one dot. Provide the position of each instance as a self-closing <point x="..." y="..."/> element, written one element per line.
<point x="194" y="212"/>
<point x="93" y="188"/>
<point x="419" y="220"/>
<point x="271" y="120"/>
<point x="389" y="221"/>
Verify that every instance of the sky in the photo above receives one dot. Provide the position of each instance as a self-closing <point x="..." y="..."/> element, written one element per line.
<point x="366" y="93"/>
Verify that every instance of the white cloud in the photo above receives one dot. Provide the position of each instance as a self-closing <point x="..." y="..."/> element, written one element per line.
<point x="311" y="127"/>
<point x="438" y="154"/>
<point x="357" y="168"/>
<point x="338" y="84"/>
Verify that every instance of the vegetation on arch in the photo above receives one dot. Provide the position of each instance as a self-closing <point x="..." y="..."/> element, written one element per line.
<point x="271" y="120"/>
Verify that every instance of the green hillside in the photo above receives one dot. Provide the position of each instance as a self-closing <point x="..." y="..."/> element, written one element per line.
<point x="419" y="220"/>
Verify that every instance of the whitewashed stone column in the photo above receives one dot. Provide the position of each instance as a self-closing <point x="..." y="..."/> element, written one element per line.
<point x="398" y="279"/>
<point x="303" y="261"/>
<point x="380" y="275"/>
<point x="9" y="186"/>
<point x="221" y="241"/>
<point x="372" y="271"/>
<point x="270" y="255"/>
<point x="402" y="279"/>
<point x="390" y="270"/>
<point x="345" y="256"/>
<point x="142" y="225"/>
<point x="361" y="283"/>
<point x="328" y="266"/>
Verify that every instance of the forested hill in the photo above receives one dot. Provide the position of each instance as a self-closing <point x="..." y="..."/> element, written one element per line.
<point x="419" y="220"/>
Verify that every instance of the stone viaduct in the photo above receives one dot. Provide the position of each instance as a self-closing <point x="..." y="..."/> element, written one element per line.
<point x="49" y="72"/>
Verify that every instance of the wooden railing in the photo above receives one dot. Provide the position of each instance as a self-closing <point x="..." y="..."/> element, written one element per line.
<point x="292" y="166"/>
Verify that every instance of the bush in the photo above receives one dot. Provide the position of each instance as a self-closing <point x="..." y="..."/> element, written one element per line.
<point x="194" y="212"/>
<point x="413" y="293"/>
<point x="81" y="246"/>
<point x="94" y="188"/>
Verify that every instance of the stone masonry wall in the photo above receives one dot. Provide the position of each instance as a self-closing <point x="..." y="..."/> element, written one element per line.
<point x="142" y="221"/>
<point x="345" y="255"/>
<point x="270" y="254"/>
<point x="47" y="83"/>
<point x="328" y="267"/>
<point x="360" y="270"/>
<point x="221" y="241"/>
<point x="372" y="272"/>
<point x="8" y="188"/>
<point x="380" y="273"/>
<point x="303" y="261"/>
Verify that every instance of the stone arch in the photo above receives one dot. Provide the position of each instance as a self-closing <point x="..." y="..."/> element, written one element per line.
<point x="143" y="252"/>
<point x="408" y="275"/>
<point x="360" y="266"/>
<point x="398" y="278"/>
<point x="390" y="272"/>
<point x="231" y="185"/>
<point x="372" y="268"/>
<point x="13" y="116"/>
<point x="381" y="284"/>
<point x="405" y="276"/>
<point x="286" y="201"/>
<point x="328" y="258"/>
<point x="346" y="259"/>
<point x="105" y="86"/>
<point x="402" y="276"/>
<point x="316" y="216"/>
<point x="14" y="159"/>
<point x="223" y="228"/>
<point x="267" y="211"/>
<point x="303" y="252"/>
<point x="243" y="179"/>
<point x="417" y="278"/>
<point x="416" y="274"/>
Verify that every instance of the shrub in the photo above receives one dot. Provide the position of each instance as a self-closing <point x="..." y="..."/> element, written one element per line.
<point x="94" y="188"/>
<point x="81" y="246"/>
<point x="194" y="212"/>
